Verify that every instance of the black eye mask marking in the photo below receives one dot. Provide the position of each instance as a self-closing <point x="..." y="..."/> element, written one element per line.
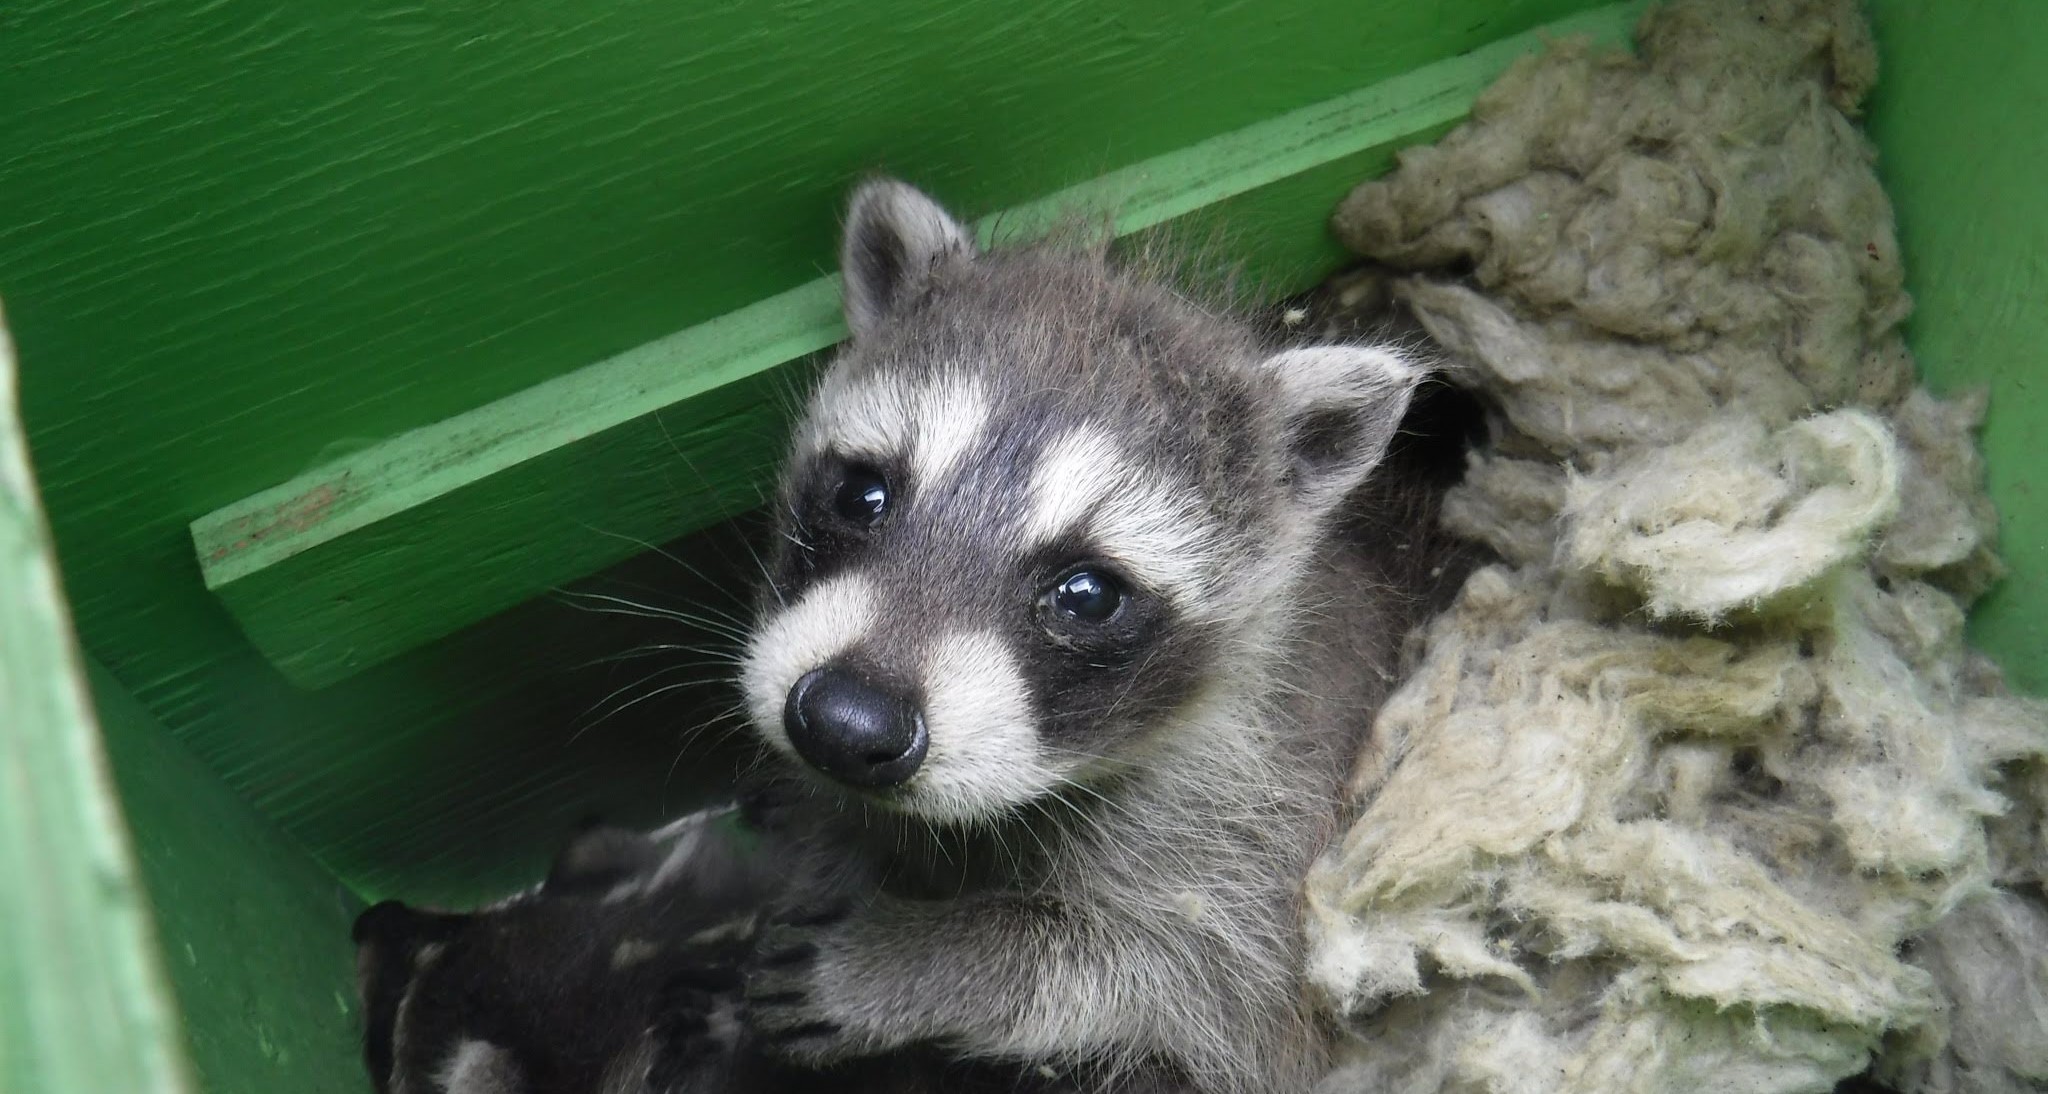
<point x="834" y="506"/>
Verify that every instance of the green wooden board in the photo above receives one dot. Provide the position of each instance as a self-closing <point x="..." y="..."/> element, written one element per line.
<point x="1964" y="152"/>
<point x="243" y="241"/>
<point x="372" y="554"/>
<point x="287" y="232"/>
<point x="83" y="1009"/>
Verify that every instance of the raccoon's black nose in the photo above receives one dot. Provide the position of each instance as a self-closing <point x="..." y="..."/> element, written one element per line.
<point x="859" y="734"/>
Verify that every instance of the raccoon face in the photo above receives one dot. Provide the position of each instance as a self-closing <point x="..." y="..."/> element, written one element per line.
<point x="1038" y="515"/>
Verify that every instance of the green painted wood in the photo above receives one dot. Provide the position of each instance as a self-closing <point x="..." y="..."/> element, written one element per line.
<point x="419" y="537"/>
<point x="82" y="1004"/>
<point x="286" y="232"/>
<point x="1964" y="152"/>
<point x="376" y="552"/>
<point x="253" y="932"/>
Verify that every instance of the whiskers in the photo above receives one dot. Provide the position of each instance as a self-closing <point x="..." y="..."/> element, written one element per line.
<point x="726" y="721"/>
<point x="721" y="623"/>
<point x="704" y="657"/>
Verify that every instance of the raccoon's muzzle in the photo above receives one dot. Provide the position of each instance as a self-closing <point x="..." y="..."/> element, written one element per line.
<point x="862" y="735"/>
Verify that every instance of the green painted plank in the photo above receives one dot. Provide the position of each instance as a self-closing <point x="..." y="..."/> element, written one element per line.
<point x="82" y="1004"/>
<point x="1964" y="150"/>
<point x="293" y="230"/>
<point x="254" y="933"/>
<point x="405" y="541"/>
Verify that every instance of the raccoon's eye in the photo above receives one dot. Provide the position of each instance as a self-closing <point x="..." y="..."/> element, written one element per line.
<point x="862" y="498"/>
<point x="1086" y="596"/>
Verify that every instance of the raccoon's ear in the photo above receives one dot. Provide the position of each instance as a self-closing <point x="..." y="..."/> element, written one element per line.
<point x="896" y="238"/>
<point x="1341" y="407"/>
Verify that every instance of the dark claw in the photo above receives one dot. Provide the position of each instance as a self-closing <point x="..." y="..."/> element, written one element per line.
<point x="707" y="979"/>
<point x="798" y="954"/>
<point x="804" y="1032"/>
<point x="783" y="1010"/>
<point x="685" y="1025"/>
<point x="819" y="916"/>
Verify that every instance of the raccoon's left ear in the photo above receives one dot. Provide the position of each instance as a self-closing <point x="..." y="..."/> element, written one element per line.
<point x="896" y="240"/>
<point x="1341" y="407"/>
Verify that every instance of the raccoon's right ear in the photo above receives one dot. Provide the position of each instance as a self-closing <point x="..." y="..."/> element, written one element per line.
<point x="896" y="239"/>
<point x="1341" y="406"/>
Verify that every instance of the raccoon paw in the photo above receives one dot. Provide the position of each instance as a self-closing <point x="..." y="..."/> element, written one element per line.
<point x="695" y="1034"/>
<point x="786" y="1010"/>
<point x="683" y="1031"/>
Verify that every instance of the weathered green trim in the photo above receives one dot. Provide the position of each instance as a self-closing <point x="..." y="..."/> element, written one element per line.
<point x="83" y="1009"/>
<point x="330" y="572"/>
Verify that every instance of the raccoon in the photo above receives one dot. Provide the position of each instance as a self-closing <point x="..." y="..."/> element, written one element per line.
<point x="619" y="974"/>
<point x="616" y="975"/>
<point x="1078" y="610"/>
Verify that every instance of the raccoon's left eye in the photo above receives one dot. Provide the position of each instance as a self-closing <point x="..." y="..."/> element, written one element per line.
<point x="862" y="498"/>
<point x="1086" y="596"/>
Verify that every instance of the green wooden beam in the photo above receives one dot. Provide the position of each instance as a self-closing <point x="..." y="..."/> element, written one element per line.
<point x="83" y="1009"/>
<point x="410" y="539"/>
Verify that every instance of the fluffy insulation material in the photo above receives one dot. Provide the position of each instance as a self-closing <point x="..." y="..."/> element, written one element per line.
<point x="1698" y="786"/>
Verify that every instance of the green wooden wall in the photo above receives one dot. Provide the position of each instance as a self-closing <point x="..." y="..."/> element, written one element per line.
<point x="254" y="934"/>
<point x="83" y="1003"/>
<point x="239" y="237"/>
<point x="1958" y="121"/>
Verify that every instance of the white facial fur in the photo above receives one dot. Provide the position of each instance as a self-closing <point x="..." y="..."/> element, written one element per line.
<point x="931" y="424"/>
<point x="1159" y="533"/>
<point x="985" y="751"/>
<point x="829" y="619"/>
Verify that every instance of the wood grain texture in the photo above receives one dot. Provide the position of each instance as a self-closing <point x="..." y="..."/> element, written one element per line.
<point x="82" y="1002"/>
<point x="1964" y="152"/>
<point x="253" y="932"/>
<point x="372" y="554"/>
<point x="243" y="238"/>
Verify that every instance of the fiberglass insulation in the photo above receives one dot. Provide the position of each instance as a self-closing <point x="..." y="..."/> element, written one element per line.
<point x="1700" y="787"/>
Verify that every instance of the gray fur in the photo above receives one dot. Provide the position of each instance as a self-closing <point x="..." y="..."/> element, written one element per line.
<point x="620" y="974"/>
<point x="1122" y="896"/>
<point x="530" y="995"/>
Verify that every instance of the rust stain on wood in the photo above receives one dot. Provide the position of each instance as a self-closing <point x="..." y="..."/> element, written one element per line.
<point x="293" y="517"/>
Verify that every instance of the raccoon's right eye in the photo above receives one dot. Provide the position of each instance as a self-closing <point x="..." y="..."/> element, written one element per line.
<point x="1086" y="596"/>
<point x="862" y="497"/>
